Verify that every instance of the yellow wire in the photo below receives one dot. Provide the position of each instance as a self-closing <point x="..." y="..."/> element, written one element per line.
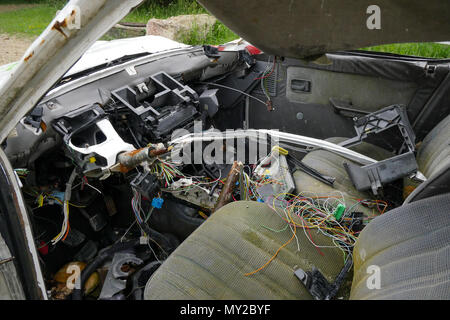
<point x="59" y="234"/>
<point x="73" y="205"/>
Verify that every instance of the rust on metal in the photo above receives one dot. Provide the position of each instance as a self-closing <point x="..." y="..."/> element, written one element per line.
<point x="228" y="188"/>
<point x="28" y="56"/>
<point x="132" y="153"/>
<point x="58" y="27"/>
<point x="124" y="169"/>
<point x="129" y="160"/>
<point x="43" y="126"/>
<point x="157" y="152"/>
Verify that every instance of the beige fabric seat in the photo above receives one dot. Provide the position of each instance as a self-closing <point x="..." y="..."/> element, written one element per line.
<point x="212" y="261"/>
<point x="409" y="244"/>
<point x="408" y="249"/>
<point x="330" y="164"/>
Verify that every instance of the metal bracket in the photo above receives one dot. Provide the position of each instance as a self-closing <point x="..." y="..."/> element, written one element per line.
<point x="380" y="121"/>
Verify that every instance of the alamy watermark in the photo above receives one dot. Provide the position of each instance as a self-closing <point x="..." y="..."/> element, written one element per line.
<point x="221" y="147"/>
<point x="374" y="20"/>
<point x="373" y="282"/>
<point x="74" y="271"/>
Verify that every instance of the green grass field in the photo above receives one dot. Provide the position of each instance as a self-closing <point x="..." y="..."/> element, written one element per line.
<point x="27" y="22"/>
<point x="32" y="21"/>
<point x="154" y="10"/>
<point x="429" y="50"/>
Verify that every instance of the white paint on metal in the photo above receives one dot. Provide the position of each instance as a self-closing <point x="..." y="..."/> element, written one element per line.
<point x="285" y="137"/>
<point x="26" y="224"/>
<point x="108" y="149"/>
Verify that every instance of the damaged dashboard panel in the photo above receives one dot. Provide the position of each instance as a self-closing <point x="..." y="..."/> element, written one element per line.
<point x="91" y="140"/>
<point x="159" y="105"/>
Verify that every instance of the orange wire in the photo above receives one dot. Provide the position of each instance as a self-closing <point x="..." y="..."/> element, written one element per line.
<point x="276" y="253"/>
<point x="68" y="227"/>
<point x="293" y="223"/>
<point x="67" y="232"/>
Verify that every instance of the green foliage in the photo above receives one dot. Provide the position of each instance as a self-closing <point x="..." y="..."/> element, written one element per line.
<point x="153" y="9"/>
<point x="429" y="50"/>
<point x="51" y="3"/>
<point x="219" y="34"/>
<point x="181" y="5"/>
<point x="28" y="21"/>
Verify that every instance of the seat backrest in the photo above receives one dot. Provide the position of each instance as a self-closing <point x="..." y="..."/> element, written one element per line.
<point x="434" y="152"/>
<point x="438" y="183"/>
<point x="405" y="253"/>
<point x="433" y="159"/>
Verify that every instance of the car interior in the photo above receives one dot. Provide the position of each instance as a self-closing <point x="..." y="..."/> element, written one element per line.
<point x="304" y="221"/>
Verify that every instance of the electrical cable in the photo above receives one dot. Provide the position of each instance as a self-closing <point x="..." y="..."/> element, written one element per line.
<point x="233" y="89"/>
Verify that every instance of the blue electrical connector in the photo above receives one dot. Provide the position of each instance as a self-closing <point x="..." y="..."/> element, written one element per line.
<point x="157" y="203"/>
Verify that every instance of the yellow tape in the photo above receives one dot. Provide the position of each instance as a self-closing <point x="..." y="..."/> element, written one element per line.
<point x="280" y="150"/>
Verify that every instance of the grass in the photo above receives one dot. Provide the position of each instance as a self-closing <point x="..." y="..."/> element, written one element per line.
<point x="27" y="22"/>
<point x="32" y="21"/>
<point x="429" y="50"/>
<point x="153" y="10"/>
<point x="219" y="34"/>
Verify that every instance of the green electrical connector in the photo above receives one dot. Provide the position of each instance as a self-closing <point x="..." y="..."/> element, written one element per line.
<point x="339" y="211"/>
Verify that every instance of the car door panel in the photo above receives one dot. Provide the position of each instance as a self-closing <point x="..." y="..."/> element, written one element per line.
<point x="301" y="91"/>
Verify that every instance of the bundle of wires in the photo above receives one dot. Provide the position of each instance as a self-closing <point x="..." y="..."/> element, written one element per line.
<point x="316" y="212"/>
<point x="22" y="172"/>
<point x="319" y="213"/>
<point x="266" y="74"/>
<point x="250" y="186"/>
<point x="152" y="235"/>
<point x="167" y="172"/>
<point x="65" y="226"/>
<point x="67" y="195"/>
<point x="136" y="205"/>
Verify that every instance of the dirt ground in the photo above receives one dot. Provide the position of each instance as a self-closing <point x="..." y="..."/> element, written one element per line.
<point x="11" y="7"/>
<point x="12" y="47"/>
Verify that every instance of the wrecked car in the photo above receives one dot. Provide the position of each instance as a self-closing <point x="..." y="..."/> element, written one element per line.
<point x="275" y="167"/>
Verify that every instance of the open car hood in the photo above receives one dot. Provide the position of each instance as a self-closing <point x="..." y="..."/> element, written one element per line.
<point x="63" y="42"/>
<point x="304" y="28"/>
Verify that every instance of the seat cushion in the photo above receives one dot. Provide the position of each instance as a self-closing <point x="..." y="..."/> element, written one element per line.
<point x="411" y="247"/>
<point x="331" y="164"/>
<point x="212" y="261"/>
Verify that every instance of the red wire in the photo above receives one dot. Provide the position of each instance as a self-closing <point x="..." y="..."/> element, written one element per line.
<point x="273" y="69"/>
